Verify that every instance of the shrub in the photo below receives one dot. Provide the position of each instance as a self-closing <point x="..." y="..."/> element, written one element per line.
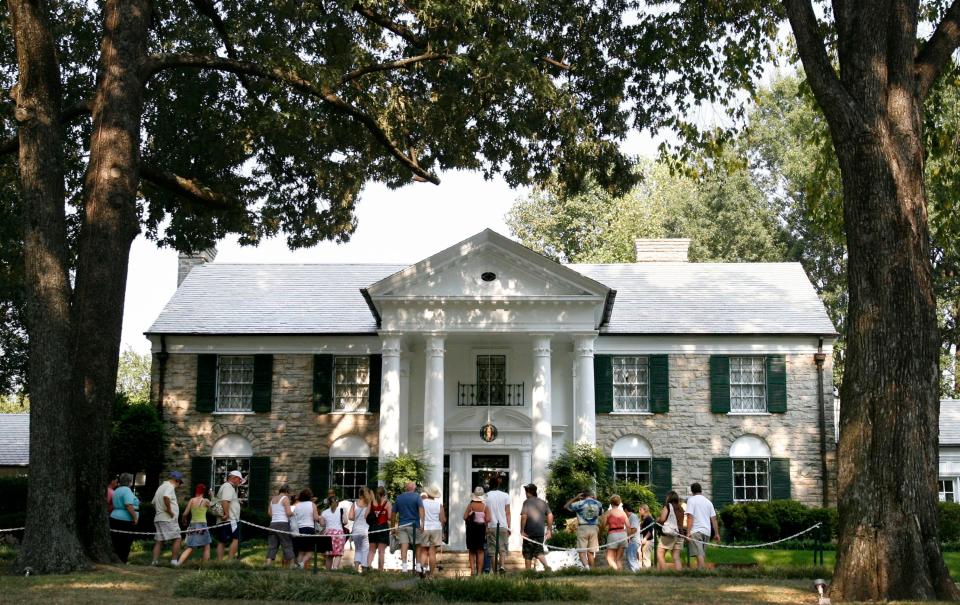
<point x="634" y="494"/>
<point x="949" y="514"/>
<point x="396" y="472"/>
<point x="580" y="467"/>
<point x="563" y="539"/>
<point x="774" y="520"/>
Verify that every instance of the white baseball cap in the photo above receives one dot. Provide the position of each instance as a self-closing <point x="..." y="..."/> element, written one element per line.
<point x="235" y="474"/>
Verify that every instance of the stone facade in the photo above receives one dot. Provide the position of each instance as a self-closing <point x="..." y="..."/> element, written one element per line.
<point x="691" y="435"/>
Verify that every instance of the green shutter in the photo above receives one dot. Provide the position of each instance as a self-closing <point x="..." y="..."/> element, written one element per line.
<point x="259" y="493"/>
<point x="262" y="383"/>
<point x="776" y="384"/>
<point x="373" y="467"/>
<point x="201" y="469"/>
<point x="721" y="472"/>
<point x="323" y="384"/>
<point x="659" y="384"/>
<point x="720" y="384"/>
<point x="661" y="476"/>
<point x="206" y="382"/>
<point x="376" y="373"/>
<point x="320" y="476"/>
<point x="603" y="383"/>
<point x="779" y="478"/>
<point x="610" y="470"/>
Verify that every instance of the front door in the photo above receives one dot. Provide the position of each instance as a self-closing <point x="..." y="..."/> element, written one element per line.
<point x="485" y="466"/>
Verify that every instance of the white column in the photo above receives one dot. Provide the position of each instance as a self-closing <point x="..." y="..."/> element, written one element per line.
<point x="433" y="410"/>
<point x="525" y="467"/>
<point x="585" y="419"/>
<point x="457" y="499"/>
<point x="404" y="403"/>
<point x="542" y="416"/>
<point x="390" y="399"/>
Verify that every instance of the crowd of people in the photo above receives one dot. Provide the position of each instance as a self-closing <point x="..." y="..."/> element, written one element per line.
<point x="299" y="528"/>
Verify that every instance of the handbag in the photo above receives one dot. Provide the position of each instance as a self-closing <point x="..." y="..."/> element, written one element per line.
<point x="216" y="508"/>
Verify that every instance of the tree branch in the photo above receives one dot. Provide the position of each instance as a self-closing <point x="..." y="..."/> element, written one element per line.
<point x="209" y="10"/>
<point x="555" y="63"/>
<point x="186" y="188"/>
<point x="157" y="63"/>
<point x="398" y="28"/>
<point x="357" y="73"/>
<point x="936" y="52"/>
<point x="12" y="144"/>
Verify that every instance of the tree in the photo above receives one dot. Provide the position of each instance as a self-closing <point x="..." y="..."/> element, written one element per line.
<point x="580" y="467"/>
<point x="133" y="376"/>
<point x="191" y="122"/>
<point x="137" y="439"/>
<point x="396" y="472"/>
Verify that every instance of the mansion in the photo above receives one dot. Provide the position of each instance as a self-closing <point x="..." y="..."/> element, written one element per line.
<point x="488" y="358"/>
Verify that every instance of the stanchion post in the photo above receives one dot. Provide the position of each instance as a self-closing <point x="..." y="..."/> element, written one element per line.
<point x="314" y="556"/>
<point x="496" y="551"/>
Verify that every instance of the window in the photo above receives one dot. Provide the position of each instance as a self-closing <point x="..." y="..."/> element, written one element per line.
<point x="948" y="492"/>
<point x="632" y="470"/>
<point x="352" y="383"/>
<point x="631" y="385"/>
<point x="751" y="480"/>
<point x="491" y="379"/>
<point x="223" y="466"/>
<point x="347" y="476"/>
<point x="748" y="384"/>
<point x="235" y="383"/>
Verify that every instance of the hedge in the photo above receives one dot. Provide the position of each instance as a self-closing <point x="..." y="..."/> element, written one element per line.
<point x="774" y="520"/>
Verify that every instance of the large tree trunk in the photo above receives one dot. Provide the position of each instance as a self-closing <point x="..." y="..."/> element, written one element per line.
<point x="110" y="224"/>
<point x="50" y="543"/>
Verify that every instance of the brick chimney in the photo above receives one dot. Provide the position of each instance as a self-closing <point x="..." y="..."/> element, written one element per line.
<point x="186" y="262"/>
<point x="672" y="250"/>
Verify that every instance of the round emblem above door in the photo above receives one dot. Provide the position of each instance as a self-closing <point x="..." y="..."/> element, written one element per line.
<point x="488" y="432"/>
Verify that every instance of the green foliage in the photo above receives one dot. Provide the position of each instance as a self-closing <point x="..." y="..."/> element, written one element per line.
<point x="580" y="467"/>
<point x="398" y="471"/>
<point x="12" y="404"/>
<point x="133" y="376"/>
<point x="634" y="494"/>
<point x="138" y="440"/>
<point x="949" y="517"/>
<point x="563" y="539"/>
<point x="767" y="521"/>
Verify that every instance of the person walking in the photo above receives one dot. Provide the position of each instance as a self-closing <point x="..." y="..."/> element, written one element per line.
<point x="165" y="518"/>
<point x="431" y="537"/>
<point x="230" y="501"/>
<point x="588" y="511"/>
<point x="379" y="521"/>
<point x="670" y="518"/>
<point x="359" y="511"/>
<point x="305" y="518"/>
<point x="701" y="520"/>
<point x="536" y="527"/>
<point x="111" y="487"/>
<point x="615" y="520"/>
<point x="198" y="536"/>
<point x="407" y="519"/>
<point x="476" y="517"/>
<point x="498" y="525"/>
<point x="647" y="527"/>
<point x="124" y="516"/>
<point x="632" y="555"/>
<point x="333" y="521"/>
<point x="280" y="512"/>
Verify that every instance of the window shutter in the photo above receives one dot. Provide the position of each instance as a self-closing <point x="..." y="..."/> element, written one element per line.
<point x="776" y="384"/>
<point x="610" y="470"/>
<point x="373" y="467"/>
<point x="603" y="383"/>
<point x="373" y="392"/>
<point x="323" y="384"/>
<point x="661" y="476"/>
<point x="721" y="472"/>
<point x="259" y="493"/>
<point x="201" y="469"/>
<point x="262" y="383"/>
<point x="320" y="476"/>
<point x="659" y="384"/>
<point x="720" y="384"/>
<point x="206" y="382"/>
<point x="779" y="478"/>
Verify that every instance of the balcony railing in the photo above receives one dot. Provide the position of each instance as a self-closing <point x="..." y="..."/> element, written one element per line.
<point x="490" y="394"/>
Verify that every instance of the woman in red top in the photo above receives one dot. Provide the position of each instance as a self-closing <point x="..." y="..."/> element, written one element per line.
<point x="615" y="520"/>
<point x="378" y="518"/>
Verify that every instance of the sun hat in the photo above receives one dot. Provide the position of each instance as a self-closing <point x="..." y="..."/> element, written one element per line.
<point x="478" y="494"/>
<point x="235" y="473"/>
<point x="433" y="491"/>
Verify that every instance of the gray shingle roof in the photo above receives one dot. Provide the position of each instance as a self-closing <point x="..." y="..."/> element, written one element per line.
<point x="950" y="422"/>
<point x="652" y="298"/>
<point x="14" y="439"/>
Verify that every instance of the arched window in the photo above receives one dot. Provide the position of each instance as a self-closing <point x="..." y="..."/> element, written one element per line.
<point x="349" y="466"/>
<point x="231" y="452"/>
<point x="631" y="456"/>
<point x="751" y="469"/>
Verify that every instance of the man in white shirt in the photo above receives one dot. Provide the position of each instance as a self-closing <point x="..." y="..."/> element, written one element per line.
<point x="498" y="527"/>
<point x="701" y="518"/>
<point x="167" y="512"/>
<point x="230" y="500"/>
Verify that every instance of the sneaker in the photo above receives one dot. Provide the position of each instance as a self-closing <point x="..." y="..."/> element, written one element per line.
<point x="154" y="563"/>
<point x="403" y="568"/>
<point x="300" y="565"/>
<point x="174" y="563"/>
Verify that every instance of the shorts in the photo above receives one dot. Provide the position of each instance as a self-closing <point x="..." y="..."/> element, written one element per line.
<point x="674" y="542"/>
<point x="304" y="540"/>
<point x="226" y="533"/>
<point x="532" y="550"/>
<point x="492" y="540"/>
<point x="430" y="537"/>
<point x="696" y="548"/>
<point x="405" y="534"/>
<point x="617" y="539"/>
<point x="167" y="530"/>
<point x="588" y="537"/>
<point x="380" y="537"/>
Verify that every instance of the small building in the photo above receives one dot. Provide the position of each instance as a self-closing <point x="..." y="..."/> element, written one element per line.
<point x="14" y="444"/>
<point x="949" y="464"/>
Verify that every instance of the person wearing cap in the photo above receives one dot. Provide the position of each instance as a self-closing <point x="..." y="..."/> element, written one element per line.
<point x="230" y="501"/>
<point x="588" y="511"/>
<point x="167" y="511"/>
<point x="536" y="523"/>
<point x="431" y="536"/>
<point x="498" y="524"/>
<point x="476" y="517"/>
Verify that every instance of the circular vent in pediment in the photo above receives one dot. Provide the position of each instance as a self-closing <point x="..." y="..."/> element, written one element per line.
<point x="488" y="276"/>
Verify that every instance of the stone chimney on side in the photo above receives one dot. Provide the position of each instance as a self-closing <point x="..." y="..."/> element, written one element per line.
<point x="186" y="262"/>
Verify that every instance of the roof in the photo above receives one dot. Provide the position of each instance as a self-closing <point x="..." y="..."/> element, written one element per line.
<point x="950" y="422"/>
<point x="711" y="298"/>
<point x="14" y="439"/>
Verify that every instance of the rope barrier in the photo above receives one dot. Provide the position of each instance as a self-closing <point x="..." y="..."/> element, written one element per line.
<point x="182" y="531"/>
<point x="280" y="531"/>
<point x="12" y="529"/>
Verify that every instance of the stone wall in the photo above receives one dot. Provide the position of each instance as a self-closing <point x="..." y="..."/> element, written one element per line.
<point x="290" y="434"/>
<point x="691" y="435"/>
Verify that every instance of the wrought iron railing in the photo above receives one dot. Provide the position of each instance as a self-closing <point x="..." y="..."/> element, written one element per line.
<point x="490" y="394"/>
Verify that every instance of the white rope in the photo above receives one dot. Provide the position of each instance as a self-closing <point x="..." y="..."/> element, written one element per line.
<point x="12" y="529"/>
<point x="743" y="546"/>
<point x="613" y="544"/>
<point x="182" y="531"/>
<point x="346" y="535"/>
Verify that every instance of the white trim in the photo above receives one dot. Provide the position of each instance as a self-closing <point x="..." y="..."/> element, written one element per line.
<point x="631" y="446"/>
<point x="708" y="344"/>
<point x="248" y="413"/>
<point x="750" y="446"/>
<point x="232" y="445"/>
<point x="361" y="344"/>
